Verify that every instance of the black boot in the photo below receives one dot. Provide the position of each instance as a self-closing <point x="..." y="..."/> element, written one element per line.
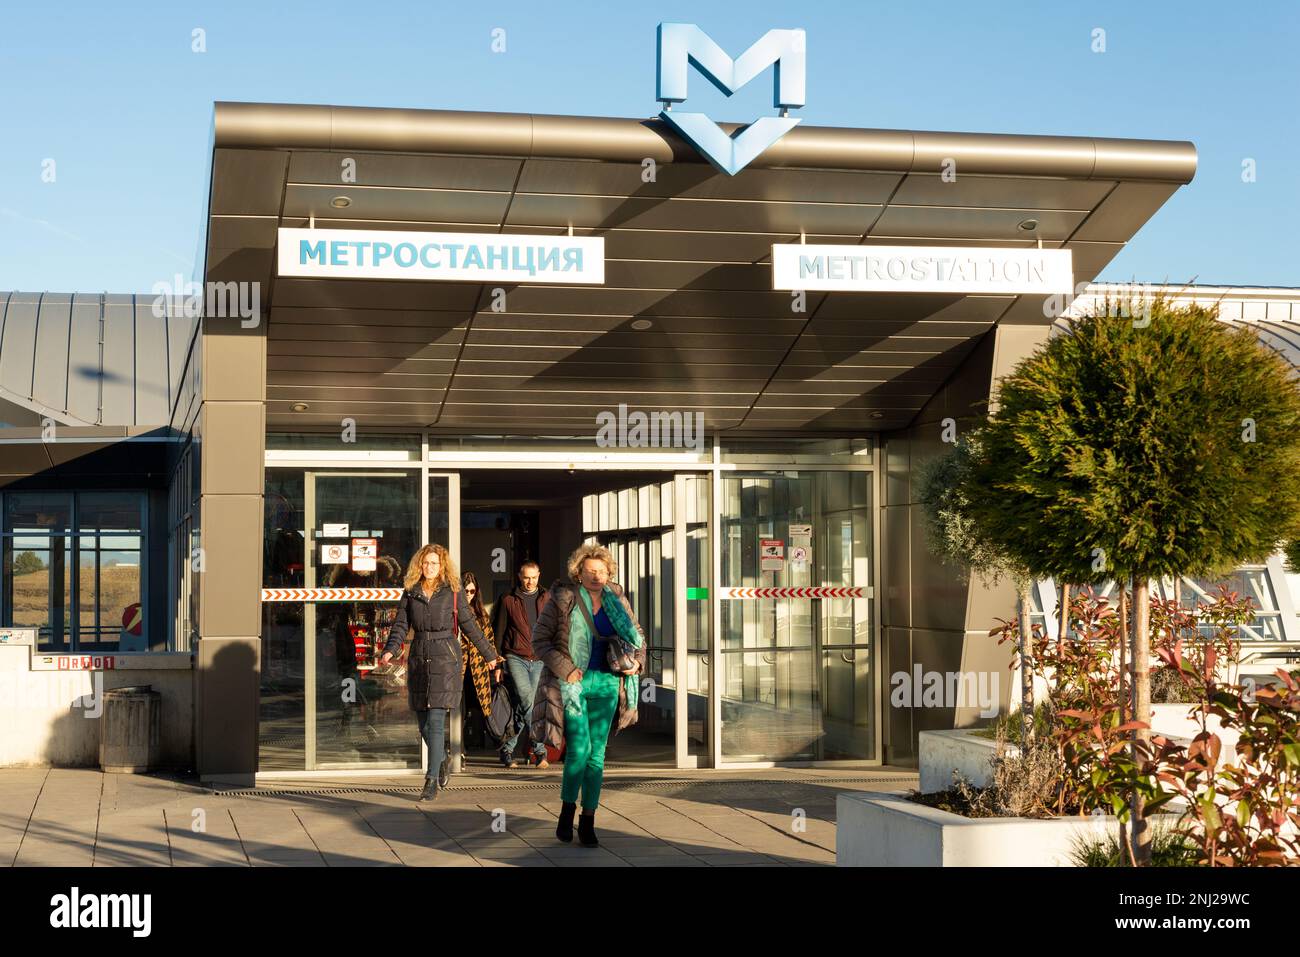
<point x="444" y="772"/>
<point x="430" y="792"/>
<point x="587" y="829"/>
<point x="564" y="830"/>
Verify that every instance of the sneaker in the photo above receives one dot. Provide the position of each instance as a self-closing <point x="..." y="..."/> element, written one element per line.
<point x="507" y="760"/>
<point x="539" y="761"/>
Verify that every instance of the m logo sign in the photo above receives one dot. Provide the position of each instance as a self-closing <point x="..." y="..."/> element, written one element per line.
<point x="681" y="44"/>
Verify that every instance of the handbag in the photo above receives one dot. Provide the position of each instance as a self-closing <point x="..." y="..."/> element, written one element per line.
<point x="501" y="720"/>
<point x="619" y="654"/>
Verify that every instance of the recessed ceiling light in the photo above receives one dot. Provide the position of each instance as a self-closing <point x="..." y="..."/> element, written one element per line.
<point x="1029" y="225"/>
<point x="300" y="407"/>
<point x="641" y="324"/>
<point x="340" y="202"/>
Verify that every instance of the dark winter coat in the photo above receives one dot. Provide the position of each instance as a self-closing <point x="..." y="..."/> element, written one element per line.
<point x="434" y="672"/>
<point x="513" y="632"/>
<point x="551" y="645"/>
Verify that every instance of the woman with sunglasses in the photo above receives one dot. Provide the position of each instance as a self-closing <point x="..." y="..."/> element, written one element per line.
<point x="473" y="661"/>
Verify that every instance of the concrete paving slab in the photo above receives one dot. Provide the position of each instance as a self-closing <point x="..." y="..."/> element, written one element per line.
<point x="706" y="818"/>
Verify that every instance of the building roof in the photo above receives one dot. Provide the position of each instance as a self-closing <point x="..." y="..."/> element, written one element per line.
<point x="1272" y="313"/>
<point x="89" y="359"/>
<point x="687" y="251"/>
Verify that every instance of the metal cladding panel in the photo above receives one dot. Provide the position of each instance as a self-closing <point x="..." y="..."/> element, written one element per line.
<point x="369" y="294"/>
<point x="1124" y="211"/>
<point x="635" y="212"/>
<point x="50" y="360"/>
<point x="717" y="245"/>
<point x="181" y="331"/>
<point x="981" y="224"/>
<point x="152" y="385"/>
<point x="247" y="182"/>
<point x="638" y="274"/>
<point x="242" y="232"/>
<point x="403" y="170"/>
<point x="119" y="370"/>
<point x="83" y="359"/>
<point x="346" y="333"/>
<point x="1008" y="192"/>
<point x="18" y="344"/>
<point x="690" y="181"/>
<point x="393" y="204"/>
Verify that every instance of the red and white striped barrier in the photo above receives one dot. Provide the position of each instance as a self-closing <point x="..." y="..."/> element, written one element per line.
<point x="331" y="594"/>
<point x="810" y="592"/>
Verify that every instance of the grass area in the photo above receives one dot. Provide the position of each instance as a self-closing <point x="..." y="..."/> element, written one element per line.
<point x="1168" y="849"/>
<point x="119" y="585"/>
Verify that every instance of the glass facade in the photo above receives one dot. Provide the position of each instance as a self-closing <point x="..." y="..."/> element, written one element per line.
<point x="73" y="569"/>
<point x="732" y="679"/>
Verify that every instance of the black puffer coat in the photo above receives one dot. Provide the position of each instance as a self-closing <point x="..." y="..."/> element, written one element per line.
<point x="434" y="676"/>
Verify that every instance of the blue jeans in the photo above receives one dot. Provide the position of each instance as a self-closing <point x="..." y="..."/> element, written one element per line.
<point x="524" y="675"/>
<point x="433" y="728"/>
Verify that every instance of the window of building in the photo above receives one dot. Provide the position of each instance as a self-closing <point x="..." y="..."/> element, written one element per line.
<point x="73" y="569"/>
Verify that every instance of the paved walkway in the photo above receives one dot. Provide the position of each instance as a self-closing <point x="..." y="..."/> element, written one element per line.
<point x="71" y="817"/>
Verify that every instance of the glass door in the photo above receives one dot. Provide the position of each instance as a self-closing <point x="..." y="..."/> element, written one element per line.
<point x="337" y="547"/>
<point x="796" y="675"/>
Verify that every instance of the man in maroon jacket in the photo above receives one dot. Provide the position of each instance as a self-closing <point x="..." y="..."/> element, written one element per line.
<point x="516" y="616"/>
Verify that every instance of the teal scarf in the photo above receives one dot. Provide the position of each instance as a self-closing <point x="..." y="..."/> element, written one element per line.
<point x="580" y="639"/>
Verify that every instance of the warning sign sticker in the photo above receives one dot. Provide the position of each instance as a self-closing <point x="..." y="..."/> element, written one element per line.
<point x="331" y="554"/>
<point x="771" y="554"/>
<point x="365" y="552"/>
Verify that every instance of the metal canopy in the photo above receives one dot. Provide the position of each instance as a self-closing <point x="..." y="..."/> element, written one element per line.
<point x="687" y="251"/>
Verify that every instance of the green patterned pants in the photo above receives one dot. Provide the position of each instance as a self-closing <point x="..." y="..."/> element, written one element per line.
<point x="585" y="736"/>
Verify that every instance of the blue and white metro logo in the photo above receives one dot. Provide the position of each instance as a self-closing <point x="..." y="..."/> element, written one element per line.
<point x="681" y="44"/>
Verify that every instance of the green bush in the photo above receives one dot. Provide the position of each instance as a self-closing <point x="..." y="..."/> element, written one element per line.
<point x="1169" y="848"/>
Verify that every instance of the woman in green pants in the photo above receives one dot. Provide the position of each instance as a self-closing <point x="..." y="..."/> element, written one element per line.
<point x="593" y="649"/>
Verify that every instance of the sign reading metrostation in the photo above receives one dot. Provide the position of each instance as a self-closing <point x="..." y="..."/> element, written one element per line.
<point x="954" y="269"/>
<point x="457" y="257"/>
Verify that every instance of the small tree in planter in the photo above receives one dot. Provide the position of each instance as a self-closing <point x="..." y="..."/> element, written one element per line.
<point x="1143" y="448"/>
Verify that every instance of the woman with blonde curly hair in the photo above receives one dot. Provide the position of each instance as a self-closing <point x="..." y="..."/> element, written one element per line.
<point x="430" y="608"/>
<point x="593" y="649"/>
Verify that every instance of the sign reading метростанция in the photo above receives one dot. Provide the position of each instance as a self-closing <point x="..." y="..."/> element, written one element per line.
<point x="465" y="257"/>
<point x="956" y="269"/>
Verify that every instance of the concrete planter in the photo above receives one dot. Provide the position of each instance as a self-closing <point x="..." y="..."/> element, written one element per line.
<point x="967" y="754"/>
<point x="943" y="752"/>
<point x="888" y="830"/>
<point x="1172" y="720"/>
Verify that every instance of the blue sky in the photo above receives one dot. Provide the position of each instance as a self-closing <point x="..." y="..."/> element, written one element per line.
<point x="115" y="96"/>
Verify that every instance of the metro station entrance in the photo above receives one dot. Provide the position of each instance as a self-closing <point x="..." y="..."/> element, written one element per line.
<point x="754" y="586"/>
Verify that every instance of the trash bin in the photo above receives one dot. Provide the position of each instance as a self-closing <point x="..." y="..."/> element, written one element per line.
<point x="129" y="729"/>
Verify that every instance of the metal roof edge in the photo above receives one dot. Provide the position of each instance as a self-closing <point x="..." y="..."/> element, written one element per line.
<point x="321" y="127"/>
